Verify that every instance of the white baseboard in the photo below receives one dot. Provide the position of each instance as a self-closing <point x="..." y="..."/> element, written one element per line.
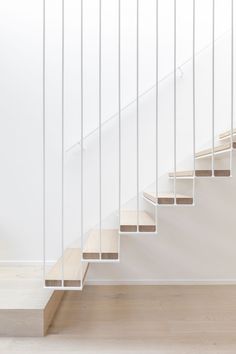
<point x="161" y="282"/>
<point x="24" y="263"/>
<point x="196" y="281"/>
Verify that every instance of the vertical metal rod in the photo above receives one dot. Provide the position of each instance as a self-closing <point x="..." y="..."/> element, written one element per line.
<point x="62" y="136"/>
<point x="137" y="97"/>
<point x="194" y="98"/>
<point x="213" y="88"/>
<point x="232" y="86"/>
<point x="100" y="126"/>
<point x="82" y="129"/>
<point x="119" y="113"/>
<point x="44" y="143"/>
<point x="175" y="111"/>
<point x="157" y="99"/>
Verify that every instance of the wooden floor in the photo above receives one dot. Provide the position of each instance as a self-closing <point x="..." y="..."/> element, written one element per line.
<point x="139" y="319"/>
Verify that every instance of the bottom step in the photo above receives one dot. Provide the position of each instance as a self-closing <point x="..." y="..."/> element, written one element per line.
<point x="168" y="199"/>
<point x="26" y="308"/>
<point x="130" y="219"/>
<point x="73" y="268"/>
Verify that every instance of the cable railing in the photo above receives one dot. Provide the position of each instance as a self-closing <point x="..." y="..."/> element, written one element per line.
<point x="102" y="244"/>
<point x="180" y="74"/>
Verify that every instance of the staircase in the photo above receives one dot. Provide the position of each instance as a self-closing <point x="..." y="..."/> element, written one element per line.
<point x="139" y="213"/>
<point x="103" y="245"/>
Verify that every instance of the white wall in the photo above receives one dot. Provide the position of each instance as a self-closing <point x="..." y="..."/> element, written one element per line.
<point x="20" y="130"/>
<point x="21" y="127"/>
<point x="193" y="244"/>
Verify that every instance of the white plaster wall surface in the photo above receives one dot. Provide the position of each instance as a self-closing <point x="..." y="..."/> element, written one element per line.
<point x="191" y="243"/>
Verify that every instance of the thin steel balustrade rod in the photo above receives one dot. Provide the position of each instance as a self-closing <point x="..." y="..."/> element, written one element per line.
<point x="157" y="100"/>
<point x="232" y="86"/>
<point x="194" y="98"/>
<point x="213" y="88"/>
<point x="62" y="136"/>
<point x="170" y="75"/>
<point x="137" y="98"/>
<point x="44" y="143"/>
<point x="175" y="88"/>
<point x="82" y="128"/>
<point x="119" y="114"/>
<point x="100" y="126"/>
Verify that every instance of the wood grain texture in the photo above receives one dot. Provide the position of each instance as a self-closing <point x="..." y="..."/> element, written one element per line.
<point x="146" y="319"/>
<point x="137" y="320"/>
<point x="168" y="199"/>
<point x="74" y="270"/>
<point x="51" y="308"/>
<point x="200" y="173"/>
<point x="26" y="308"/>
<point x="109" y="245"/>
<point x="218" y="149"/>
<point x="129" y="219"/>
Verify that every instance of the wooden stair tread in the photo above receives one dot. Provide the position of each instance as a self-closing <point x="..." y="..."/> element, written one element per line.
<point x="218" y="149"/>
<point x="128" y="221"/>
<point x="168" y="198"/>
<point x="227" y="134"/>
<point x="200" y="173"/>
<point x="74" y="270"/>
<point x="109" y="245"/>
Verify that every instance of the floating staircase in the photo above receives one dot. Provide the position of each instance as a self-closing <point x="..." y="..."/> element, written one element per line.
<point x="104" y="245"/>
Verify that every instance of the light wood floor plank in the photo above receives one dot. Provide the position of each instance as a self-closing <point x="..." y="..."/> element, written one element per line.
<point x="139" y="320"/>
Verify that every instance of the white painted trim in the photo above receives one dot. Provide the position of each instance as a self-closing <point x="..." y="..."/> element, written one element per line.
<point x="161" y="282"/>
<point x="24" y="263"/>
<point x="197" y="281"/>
